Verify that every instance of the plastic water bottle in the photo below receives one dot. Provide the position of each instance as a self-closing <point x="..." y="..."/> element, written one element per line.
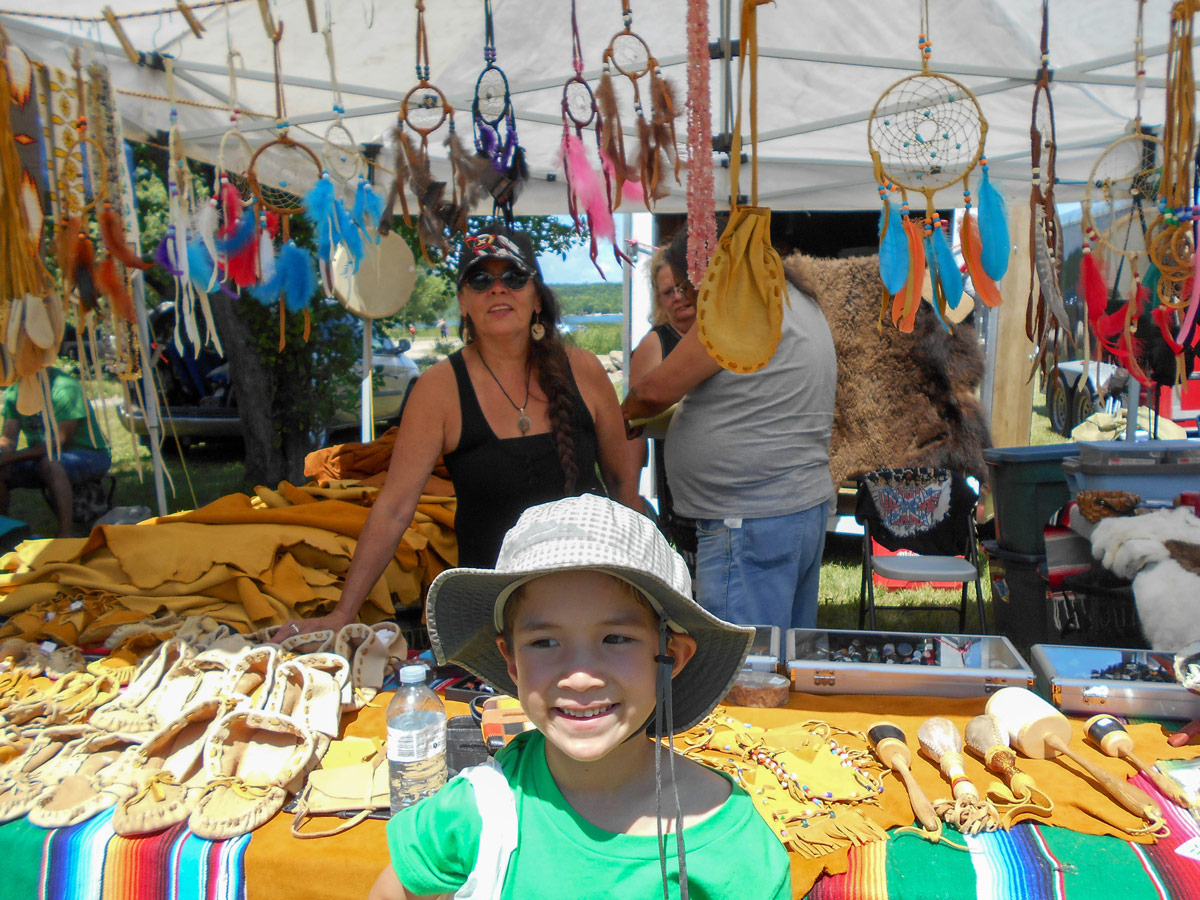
<point x="416" y="740"/>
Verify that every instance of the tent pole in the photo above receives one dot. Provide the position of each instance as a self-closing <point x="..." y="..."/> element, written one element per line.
<point x="149" y="393"/>
<point x="366" y="405"/>
<point x="1011" y="405"/>
<point x="726" y="69"/>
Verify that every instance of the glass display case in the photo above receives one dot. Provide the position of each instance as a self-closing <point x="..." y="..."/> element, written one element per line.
<point x="1090" y="680"/>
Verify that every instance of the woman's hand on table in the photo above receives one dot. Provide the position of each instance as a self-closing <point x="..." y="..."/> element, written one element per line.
<point x="333" y="622"/>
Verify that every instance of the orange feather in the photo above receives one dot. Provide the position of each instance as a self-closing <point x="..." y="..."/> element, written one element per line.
<point x="112" y="285"/>
<point x="972" y="250"/>
<point x="113" y="233"/>
<point x="911" y="295"/>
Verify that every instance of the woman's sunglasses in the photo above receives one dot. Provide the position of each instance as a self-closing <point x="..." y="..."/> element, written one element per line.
<point x="481" y="281"/>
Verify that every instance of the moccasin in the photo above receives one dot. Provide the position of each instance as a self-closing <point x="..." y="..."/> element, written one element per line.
<point x="310" y="695"/>
<point x="37" y="769"/>
<point x="90" y="780"/>
<point x="166" y="773"/>
<point x="252" y="759"/>
<point x="369" y="652"/>
<point x="117" y="714"/>
<point x="253" y="674"/>
<point x="313" y="642"/>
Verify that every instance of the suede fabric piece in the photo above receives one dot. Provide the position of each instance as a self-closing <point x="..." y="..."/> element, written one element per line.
<point x="247" y="562"/>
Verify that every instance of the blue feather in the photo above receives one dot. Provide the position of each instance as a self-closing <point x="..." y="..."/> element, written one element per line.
<point x="318" y="209"/>
<point x="993" y="229"/>
<point x="348" y="231"/>
<point x="368" y="208"/>
<point x="893" y="250"/>
<point x="934" y="265"/>
<point x="200" y="265"/>
<point x="299" y="276"/>
<point x="242" y="238"/>
<point x="267" y="292"/>
<point x="951" y="277"/>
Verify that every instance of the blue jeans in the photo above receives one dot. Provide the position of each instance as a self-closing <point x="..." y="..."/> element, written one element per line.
<point x="763" y="571"/>
<point x="80" y="463"/>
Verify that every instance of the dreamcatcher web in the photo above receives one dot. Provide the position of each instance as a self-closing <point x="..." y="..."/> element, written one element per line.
<point x="1120" y="195"/>
<point x="580" y="104"/>
<point x="491" y="94"/>
<point x="928" y="132"/>
<point x="292" y="166"/>
<point x="630" y="55"/>
<point x="424" y="109"/>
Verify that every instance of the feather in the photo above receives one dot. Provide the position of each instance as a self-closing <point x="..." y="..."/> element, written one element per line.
<point x="1162" y="318"/>
<point x="612" y="141"/>
<point x="472" y="175"/>
<point x="893" y="249"/>
<point x="665" y="110"/>
<point x="113" y="234"/>
<point x="993" y="229"/>
<point x="368" y="209"/>
<point x="164" y="255"/>
<point x="111" y="284"/>
<point x="266" y="256"/>
<point x="949" y="277"/>
<point x="318" y="209"/>
<point x="911" y="296"/>
<point x="231" y="206"/>
<point x="201" y="268"/>
<point x="65" y="242"/>
<point x="1095" y="292"/>
<point x="83" y="261"/>
<point x="240" y="250"/>
<point x="350" y="236"/>
<point x="268" y="291"/>
<point x="298" y="275"/>
<point x="205" y="229"/>
<point x="585" y="189"/>
<point x="230" y="243"/>
<point x="968" y="237"/>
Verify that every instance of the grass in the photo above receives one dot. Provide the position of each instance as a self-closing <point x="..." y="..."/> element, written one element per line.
<point x="600" y="338"/>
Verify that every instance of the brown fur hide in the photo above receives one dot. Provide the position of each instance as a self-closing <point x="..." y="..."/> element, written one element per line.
<point x="902" y="399"/>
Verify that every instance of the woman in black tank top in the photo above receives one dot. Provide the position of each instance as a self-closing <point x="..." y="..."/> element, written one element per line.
<point x="520" y="418"/>
<point x="672" y="315"/>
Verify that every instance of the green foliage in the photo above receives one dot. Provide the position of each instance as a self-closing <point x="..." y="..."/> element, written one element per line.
<point x="599" y="339"/>
<point x="588" y="299"/>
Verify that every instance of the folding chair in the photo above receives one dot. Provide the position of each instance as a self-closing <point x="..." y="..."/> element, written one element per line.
<point x="931" y="514"/>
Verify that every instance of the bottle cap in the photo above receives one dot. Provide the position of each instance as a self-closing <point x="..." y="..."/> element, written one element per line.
<point x="412" y="675"/>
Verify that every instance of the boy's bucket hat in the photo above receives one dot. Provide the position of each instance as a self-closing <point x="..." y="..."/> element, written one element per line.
<point x="466" y="606"/>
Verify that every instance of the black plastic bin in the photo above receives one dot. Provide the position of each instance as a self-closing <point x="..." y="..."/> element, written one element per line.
<point x="1019" y="596"/>
<point x="1096" y="609"/>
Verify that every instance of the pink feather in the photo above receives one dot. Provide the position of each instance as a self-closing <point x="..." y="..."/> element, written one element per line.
<point x="587" y="189"/>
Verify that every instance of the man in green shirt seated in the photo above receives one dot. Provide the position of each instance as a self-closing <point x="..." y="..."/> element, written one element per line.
<point x="83" y="457"/>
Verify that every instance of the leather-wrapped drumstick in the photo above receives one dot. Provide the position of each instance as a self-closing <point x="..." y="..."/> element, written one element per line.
<point x="891" y="747"/>
<point x="1113" y="740"/>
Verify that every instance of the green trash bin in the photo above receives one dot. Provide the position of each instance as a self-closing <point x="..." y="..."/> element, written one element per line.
<point x="1028" y="487"/>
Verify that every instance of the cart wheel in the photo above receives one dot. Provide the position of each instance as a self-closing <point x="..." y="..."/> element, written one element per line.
<point x="1058" y="403"/>
<point x="1085" y="402"/>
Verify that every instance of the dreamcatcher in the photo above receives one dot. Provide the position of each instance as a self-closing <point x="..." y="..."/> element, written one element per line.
<point x="587" y="197"/>
<point x="926" y="133"/>
<point x="423" y="111"/>
<point x="1046" y="316"/>
<point x="1117" y="228"/>
<point x="288" y="277"/>
<point x="1172" y="240"/>
<point x="340" y="153"/>
<point x="631" y="57"/>
<point x="31" y="318"/>
<point x="502" y="170"/>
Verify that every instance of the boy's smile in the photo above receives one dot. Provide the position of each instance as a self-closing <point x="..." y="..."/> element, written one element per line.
<point x="581" y="651"/>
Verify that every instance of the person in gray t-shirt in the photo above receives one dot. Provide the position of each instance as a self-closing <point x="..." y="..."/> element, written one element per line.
<point x="748" y="458"/>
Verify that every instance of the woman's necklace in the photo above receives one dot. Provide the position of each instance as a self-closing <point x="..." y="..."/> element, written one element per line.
<point x="523" y="422"/>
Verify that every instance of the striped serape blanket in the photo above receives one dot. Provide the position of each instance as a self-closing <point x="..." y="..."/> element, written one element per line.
<point x="1029" y="862"/>
<point x="90" y="862"/>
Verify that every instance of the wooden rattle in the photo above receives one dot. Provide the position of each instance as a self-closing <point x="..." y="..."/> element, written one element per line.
<point x="1042" y="732"/>
<point x="1113" y="740"/>
<point x="890" y="746"/>
<point x="968" y="812"/>
<point x="988" y="739"/>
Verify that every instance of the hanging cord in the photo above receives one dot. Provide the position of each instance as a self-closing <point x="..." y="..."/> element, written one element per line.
<point x="422" y="45"/>
<point x="664" y="719"/>
<point x="327" y="33"/>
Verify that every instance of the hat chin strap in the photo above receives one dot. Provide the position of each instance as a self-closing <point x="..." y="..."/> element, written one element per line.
<point x="664" y="714"/>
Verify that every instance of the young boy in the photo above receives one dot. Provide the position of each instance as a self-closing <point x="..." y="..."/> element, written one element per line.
<point x="588" y="620"/>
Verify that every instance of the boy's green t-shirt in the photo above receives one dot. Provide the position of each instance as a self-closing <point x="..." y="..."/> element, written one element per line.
<point x="69" y="404"/>
<point x="434" y="843"/>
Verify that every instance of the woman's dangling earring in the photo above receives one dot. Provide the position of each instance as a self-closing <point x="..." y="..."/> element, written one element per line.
<point x="537" y="330"/>
<point x="468" y="331"/>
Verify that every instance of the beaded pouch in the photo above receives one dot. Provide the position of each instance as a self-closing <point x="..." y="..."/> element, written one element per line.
<point x="804" y="779"/>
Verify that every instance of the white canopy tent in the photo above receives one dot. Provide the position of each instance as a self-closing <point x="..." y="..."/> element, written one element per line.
<point x="822" y="66"/>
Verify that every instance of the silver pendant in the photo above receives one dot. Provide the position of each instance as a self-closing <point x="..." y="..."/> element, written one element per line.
<point x="523" y="422"/>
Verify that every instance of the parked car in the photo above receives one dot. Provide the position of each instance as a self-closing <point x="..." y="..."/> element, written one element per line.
<point x="1071" y="397"/>
<point x="197" y="394"/>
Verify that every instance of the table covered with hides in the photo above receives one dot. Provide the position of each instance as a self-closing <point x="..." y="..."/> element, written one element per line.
<point x="1078" y="855"/>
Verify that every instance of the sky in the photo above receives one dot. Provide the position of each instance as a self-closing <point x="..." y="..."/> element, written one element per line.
<point x="577" y="268"/>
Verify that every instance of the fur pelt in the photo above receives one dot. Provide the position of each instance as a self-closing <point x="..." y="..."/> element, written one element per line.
<point x="902" y="399"/>
<point x="1159" y="552"/>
